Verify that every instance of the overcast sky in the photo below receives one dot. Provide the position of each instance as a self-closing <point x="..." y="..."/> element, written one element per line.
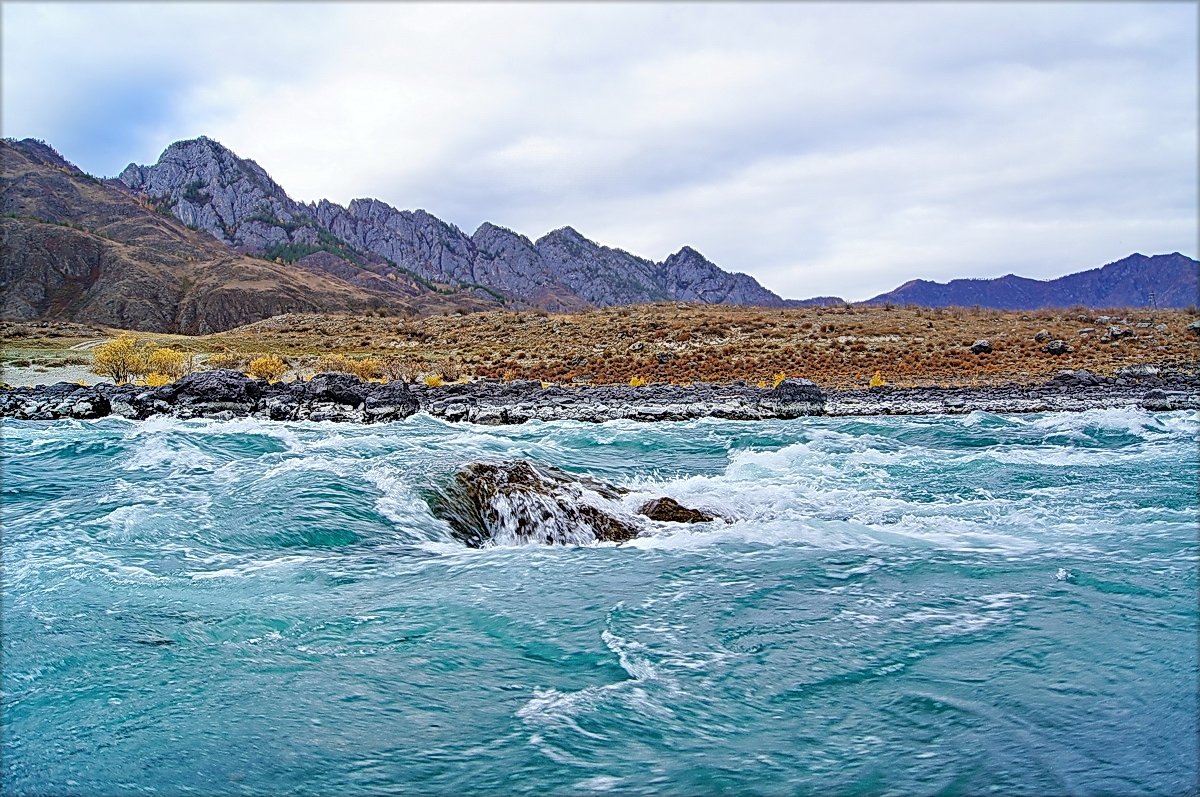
<point x="825" y="149"/>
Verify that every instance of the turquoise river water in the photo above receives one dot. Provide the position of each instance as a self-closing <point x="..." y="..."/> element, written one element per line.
<point x="936" y="605"/>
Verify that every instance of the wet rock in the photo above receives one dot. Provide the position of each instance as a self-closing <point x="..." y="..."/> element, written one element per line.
<point x="670" y="510"/>
<point x="517" y="502"/>
<point x="981" y="346"/>
<point x="1057" y="347"/>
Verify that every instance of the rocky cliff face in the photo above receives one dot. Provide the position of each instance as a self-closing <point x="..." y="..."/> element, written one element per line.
<point x="209" y="188"/>
<point x="691" y="277"/>
<point x="1167" y="281"/>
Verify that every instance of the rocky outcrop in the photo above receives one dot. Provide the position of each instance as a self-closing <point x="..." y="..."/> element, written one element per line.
<point x="231" y="198"/>
<point x="517" y="502"/>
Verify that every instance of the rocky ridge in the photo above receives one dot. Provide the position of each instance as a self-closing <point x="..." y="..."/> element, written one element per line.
<point x="209" y="187"/>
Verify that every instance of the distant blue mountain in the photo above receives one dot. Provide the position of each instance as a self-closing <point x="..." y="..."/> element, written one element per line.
<point x="1165" y="281"/>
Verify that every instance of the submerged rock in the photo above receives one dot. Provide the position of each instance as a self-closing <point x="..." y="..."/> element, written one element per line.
<point x="672" y="511"/>
<point x="518" y="502"/>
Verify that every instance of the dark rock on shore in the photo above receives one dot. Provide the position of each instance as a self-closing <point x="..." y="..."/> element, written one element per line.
<point x="50" y="402"/>
<point x="1076" y="378"/>
<point x="343" y="397"/>
<point x="518" y="502"/>
<point x="521" y="401"/>
<point x="221" y="395"/>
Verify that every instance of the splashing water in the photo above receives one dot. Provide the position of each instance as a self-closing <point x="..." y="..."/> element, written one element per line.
<point x="897" y="605"/>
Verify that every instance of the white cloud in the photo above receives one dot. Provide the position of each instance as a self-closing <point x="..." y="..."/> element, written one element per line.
<point x="822" y="148"/>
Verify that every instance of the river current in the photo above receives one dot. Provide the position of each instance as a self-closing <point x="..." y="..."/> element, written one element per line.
<point x="927" y="605"/>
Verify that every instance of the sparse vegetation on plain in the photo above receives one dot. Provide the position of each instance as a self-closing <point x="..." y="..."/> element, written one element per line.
<point x="682" y="344"/>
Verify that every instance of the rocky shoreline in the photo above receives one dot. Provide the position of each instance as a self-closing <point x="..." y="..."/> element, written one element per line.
<point x="343" y="397"/>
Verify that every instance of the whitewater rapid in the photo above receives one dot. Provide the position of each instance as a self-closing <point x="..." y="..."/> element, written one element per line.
<point x="894" y="605"/>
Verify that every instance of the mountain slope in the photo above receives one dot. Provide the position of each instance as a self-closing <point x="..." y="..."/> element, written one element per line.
<point x="1136" y="281"/>
<point x="207" y="186"/>
<point x="78" y="248"/>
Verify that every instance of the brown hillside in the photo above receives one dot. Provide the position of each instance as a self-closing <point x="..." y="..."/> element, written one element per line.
<point x="81" y="249"/>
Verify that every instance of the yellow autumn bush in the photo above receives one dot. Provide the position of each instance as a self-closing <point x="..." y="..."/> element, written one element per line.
<point x="268" y="367"/>
<point x="122" y="360"/>
<point x="366" y="368"/>
<point x="637" y="381"/>
<point x="167" y="362"/>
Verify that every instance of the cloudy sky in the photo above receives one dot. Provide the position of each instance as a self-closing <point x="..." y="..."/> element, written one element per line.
<point x="824" y="149"/>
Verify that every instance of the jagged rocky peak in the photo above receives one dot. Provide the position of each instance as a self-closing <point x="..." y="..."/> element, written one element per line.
<point x="691" y="277"/>
<point x="566" y="236"/>
<point x="210" y="188"/>
<point x="490" y="237"/>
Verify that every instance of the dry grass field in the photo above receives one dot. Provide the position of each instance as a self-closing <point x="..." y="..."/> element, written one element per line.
<point x="835" y="347"/>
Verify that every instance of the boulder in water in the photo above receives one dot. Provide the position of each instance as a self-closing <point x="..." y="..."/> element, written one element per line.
<point x="518" y="502"/>
<point x="672" y="511"/>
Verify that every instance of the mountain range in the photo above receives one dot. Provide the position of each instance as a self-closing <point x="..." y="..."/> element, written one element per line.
<point x="1135" y="281"/>
<point x="204" y="240"/>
